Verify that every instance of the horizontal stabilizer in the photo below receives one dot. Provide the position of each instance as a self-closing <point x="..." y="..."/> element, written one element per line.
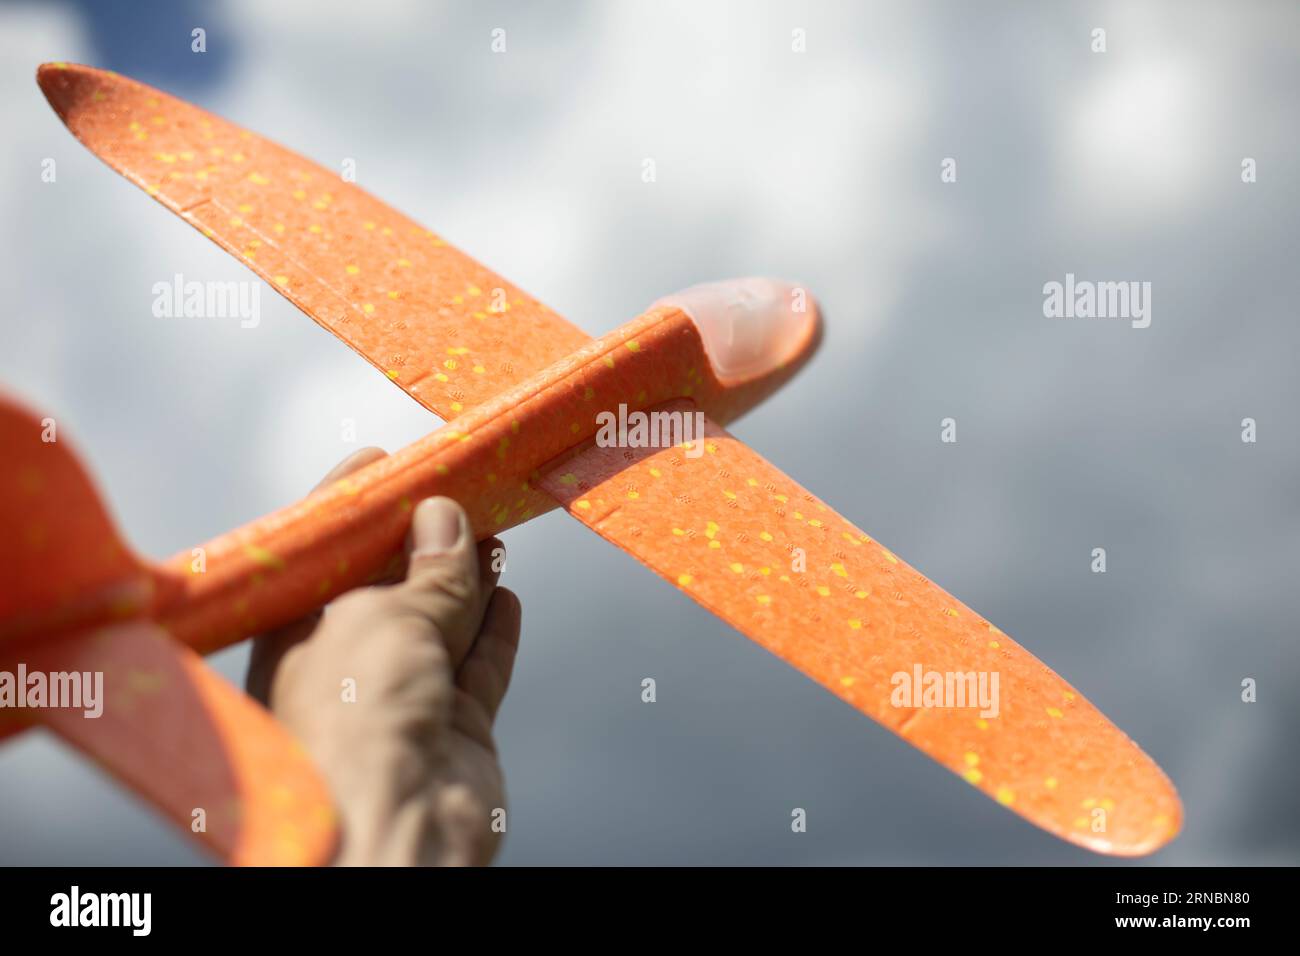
<point x="210" y="758"/>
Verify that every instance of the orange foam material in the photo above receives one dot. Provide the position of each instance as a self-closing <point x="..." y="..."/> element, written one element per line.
<point x="488" y="460"/>
<point x="71" y="600"/>
<point x="519" y="444"/>
<point x="724" y="528"/>
<point x="62" y="563"/>
<point x="447" y="330"/>
<point x="182" y="737"/>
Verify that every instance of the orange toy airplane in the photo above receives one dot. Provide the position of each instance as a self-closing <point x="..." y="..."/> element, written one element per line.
<point x="527" y="397"/>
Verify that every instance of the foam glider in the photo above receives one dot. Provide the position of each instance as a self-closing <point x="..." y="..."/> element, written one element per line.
<point x="520" y="389"/>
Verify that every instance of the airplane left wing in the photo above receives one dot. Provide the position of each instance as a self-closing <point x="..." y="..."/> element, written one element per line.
<point x="448" y="330"/>
<point x="760" y="552"/>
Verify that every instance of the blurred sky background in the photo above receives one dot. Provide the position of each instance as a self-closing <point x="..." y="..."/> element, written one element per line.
<point x="822" y="166"/>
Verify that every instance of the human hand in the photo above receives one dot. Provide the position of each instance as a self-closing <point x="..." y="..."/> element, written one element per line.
<point x="409" y="754"/>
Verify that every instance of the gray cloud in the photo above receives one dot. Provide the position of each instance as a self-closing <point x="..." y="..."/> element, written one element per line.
<point x="823" y="167"/>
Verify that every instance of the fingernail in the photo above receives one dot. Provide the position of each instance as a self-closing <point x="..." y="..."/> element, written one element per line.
<point x="436" y="526"/>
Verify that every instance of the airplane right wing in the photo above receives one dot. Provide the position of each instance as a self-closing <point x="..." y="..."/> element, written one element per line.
<point x="760" y="552"/>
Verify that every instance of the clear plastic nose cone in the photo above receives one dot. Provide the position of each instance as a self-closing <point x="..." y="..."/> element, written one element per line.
<point x="749" y="326"/>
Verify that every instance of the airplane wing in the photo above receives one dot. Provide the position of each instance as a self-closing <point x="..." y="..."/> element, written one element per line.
<point x="449" y="331"/>
<point x="727" y="528"/>
<point x="207" y="756"/>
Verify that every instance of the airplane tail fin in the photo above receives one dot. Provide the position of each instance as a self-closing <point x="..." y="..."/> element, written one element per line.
<point x="63" y="564"/>
<point x="92" y="666"/>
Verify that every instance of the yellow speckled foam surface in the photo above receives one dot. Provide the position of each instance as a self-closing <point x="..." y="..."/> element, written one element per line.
<point x="187" y="740"/>
<point x="760" y="552"/>
<point x="449" y="331"/>
<point x="74" y="600"/>
<point x="525" y="388"/>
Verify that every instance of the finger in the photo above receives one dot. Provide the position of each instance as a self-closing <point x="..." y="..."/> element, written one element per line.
<point x="491" y="562"/>
<point x="354" y="462"/>
<point x="269" y="649"/>
<point x="443" y="584"/>
<point x="485" y="674"/>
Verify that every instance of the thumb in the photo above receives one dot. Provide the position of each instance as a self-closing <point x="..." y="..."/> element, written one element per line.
<point x="443" y="584"/>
